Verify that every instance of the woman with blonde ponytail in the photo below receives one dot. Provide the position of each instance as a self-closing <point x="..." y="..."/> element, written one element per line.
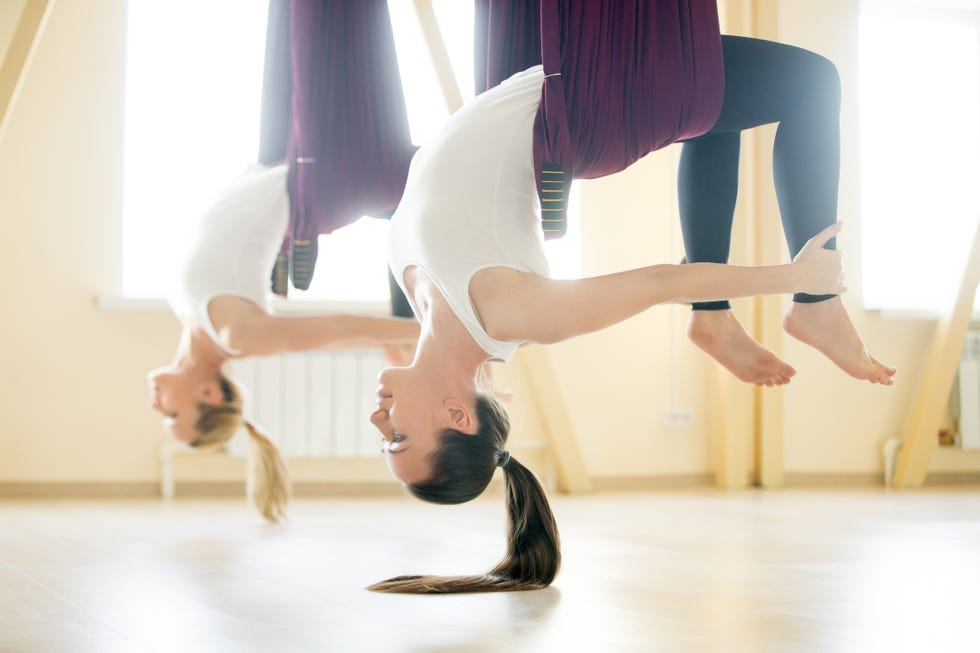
<point x="220" y="297"/>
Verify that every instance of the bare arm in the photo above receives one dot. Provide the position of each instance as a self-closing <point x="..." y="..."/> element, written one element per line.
<point x="522" y="306"/>
<point x="265" y="334"/>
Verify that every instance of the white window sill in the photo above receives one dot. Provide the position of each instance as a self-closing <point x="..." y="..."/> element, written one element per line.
<point x="915" y="314"/>
<point x="279" y="306"/>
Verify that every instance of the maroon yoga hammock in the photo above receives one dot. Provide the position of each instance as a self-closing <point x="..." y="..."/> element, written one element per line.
<point x="333" y="108"/>
<point x="623" y="78"/>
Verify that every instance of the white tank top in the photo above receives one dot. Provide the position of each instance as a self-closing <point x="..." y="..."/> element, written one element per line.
<point x="470" y="202"/>
<point x="233" y="248"/>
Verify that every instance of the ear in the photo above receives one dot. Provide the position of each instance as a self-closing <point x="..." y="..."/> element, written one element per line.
<point x="461" y="417"/>
<point x="210" y="393"/>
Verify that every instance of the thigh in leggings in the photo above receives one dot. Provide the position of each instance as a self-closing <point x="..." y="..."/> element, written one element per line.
<point x="765" y="82"/>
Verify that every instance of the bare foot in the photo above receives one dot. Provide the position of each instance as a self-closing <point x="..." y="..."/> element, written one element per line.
<point x="826" y="327"/>
<point x="721" y="336"/>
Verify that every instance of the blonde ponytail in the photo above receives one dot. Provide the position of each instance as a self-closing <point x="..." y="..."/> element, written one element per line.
<point x="268" y="478"/>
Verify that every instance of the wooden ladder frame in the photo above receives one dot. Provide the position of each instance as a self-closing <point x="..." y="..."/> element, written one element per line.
<point x="932" y="397"/>
<point x="23" y="43"/>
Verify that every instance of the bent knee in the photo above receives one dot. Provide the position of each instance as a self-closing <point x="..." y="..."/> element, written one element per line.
<point x="824" y="83"/>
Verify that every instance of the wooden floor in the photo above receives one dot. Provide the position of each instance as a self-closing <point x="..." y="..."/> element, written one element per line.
<point x="699" y="571"/>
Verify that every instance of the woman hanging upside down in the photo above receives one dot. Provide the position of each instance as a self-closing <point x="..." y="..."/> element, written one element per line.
<point x="466" y="246"/>
<point x="221" y="300"/>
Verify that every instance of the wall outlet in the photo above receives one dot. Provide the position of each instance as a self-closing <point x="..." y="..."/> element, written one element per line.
<point x="679" y="418"/>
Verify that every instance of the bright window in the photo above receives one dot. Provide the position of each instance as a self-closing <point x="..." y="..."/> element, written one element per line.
<point x="920" y="151"/>
<point x="192" y="117"/>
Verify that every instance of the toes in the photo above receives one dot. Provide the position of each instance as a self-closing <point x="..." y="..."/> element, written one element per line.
<point x="887" y="369"/>
<point x="883" y="373"/>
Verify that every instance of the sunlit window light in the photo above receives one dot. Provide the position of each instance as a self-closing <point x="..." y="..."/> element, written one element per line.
<point x="192" y="117"/>
<point x="188" y="135"/>
<point x="920" y="154"/>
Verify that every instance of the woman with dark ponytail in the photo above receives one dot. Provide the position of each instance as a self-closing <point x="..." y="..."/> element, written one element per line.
<point x="462" y="467"/>
<point x="466" y="241"/>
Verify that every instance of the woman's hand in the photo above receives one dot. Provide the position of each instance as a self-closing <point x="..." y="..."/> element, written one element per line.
<point x="821" y="271"/>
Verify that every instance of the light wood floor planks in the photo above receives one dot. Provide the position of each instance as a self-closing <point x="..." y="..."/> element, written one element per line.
<point x="696" y="571"/>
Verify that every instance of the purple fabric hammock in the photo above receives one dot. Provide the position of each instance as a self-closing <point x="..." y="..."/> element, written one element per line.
<point x="635" y="76"/>
<point x="347" y="138"/>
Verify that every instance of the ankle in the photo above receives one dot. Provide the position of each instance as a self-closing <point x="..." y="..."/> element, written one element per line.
<point x="706" y="324"/>
<point x="816" y="308"/>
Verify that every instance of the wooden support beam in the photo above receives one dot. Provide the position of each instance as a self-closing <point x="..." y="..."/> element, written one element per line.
<point x="766" y="327"/>
<point x="932" y="397"/>
<point x="730" y="423"/>
<point x="559" y="432"/>
<point x="22" y="45"/>
<point x="439" y="54"/>
<point x="747" y="423"/>
<point x="769" y="248"/>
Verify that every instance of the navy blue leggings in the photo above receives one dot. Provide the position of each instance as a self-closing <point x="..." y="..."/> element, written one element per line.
<point x="765" y="82"/>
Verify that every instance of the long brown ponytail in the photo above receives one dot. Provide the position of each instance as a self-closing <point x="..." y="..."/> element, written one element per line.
<point x="463" y="466"/>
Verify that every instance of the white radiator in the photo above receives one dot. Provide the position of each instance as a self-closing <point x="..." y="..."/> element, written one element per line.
<point x="966" y="394"/>
<point x="312" y="404"/>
